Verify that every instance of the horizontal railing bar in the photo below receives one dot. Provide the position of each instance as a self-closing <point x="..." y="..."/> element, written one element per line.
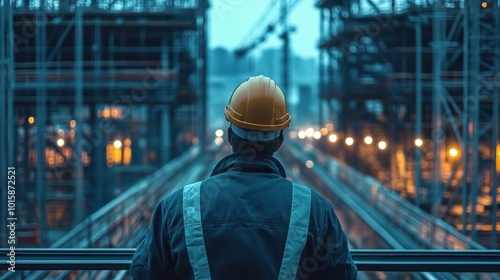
<point x="365" y="259"/>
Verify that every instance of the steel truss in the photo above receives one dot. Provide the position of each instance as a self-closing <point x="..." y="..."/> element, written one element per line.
<point x="145" y="56"/>
<point x="453" y="101"/>
<point x="469" y="119"/>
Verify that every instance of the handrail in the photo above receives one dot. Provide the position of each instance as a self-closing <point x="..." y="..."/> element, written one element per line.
<point x="151" y="186"/>
<point x="365" y="259"/>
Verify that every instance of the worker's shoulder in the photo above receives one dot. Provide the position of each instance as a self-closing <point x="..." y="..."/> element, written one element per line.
<point x="176" y="195"/>
<point x="317" y="200"/>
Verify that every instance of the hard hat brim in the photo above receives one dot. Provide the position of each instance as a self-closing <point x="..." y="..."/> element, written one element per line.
<point x="231" y="117"/>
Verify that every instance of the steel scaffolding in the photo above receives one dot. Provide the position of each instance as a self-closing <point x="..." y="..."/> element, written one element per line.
<point x="380" y="52"/>
<point x="77" y="75"/>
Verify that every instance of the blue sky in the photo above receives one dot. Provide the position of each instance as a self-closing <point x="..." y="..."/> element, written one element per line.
<point x="231" y="20"/>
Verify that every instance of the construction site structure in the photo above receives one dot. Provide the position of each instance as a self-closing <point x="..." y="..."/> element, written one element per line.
<point x="422" y="77"/>
<point x="93" y="95"/>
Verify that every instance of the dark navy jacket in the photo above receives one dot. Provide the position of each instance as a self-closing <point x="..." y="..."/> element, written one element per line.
<point x="245" y="212"/>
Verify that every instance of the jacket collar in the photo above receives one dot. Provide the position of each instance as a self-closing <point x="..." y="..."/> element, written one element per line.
<point x="256" y="163"/>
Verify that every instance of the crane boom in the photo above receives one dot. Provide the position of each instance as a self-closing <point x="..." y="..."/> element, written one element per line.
<point x="271" y="18"/>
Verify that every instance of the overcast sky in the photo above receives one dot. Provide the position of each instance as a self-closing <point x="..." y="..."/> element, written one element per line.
<point x="231" y="20"/>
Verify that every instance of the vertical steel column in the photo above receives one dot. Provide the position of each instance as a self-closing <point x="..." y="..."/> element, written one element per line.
<point x="321" y="80"/>
<point x="329" y="92"/>
<point x="99" y="149"/>
<point x="437" y="126"/>
<point x="165" y="116"/>
<point x="40" y="121"/>
<point x="418" y="109"/>
<point x="465" y="117"/>
<point x="474" y="102"/>
<point x="286" y="45"/>
<point x="78" y="168"/>
<point x="495" y="151"/>
<point x="11" y="82"/>
<point x="496" y="127"/>
<point x="203" y="79"/>
<point x="331" y="78"/>
<point x="3" y="123"/>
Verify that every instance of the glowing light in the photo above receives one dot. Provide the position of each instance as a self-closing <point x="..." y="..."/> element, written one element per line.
<point x="302" y="134"/>
<point x="60" y="142"/>
<point x="72" y="123"/>
<point x="349" y="141"/>
<point x="115" y="113"/>
<point x="292" y="134"/>
<point x="329" y="126"/>
<point x="332" y="138"/>
<point x="117" y="153"/>
<point x="317" y="135"/>
<point x="419" y="142"/>
<point x="219" y="141"/>
<point x="498" y="158"/>
<point x="127" y="142"/>
<point x="368" y="140"/>
<point x="324" y="131"/>
<point x="453" y="152"/>
<point x="117" y="144"/>
<point x="219" y="133"/>
<point x="60" y="132"/>
<point x="309" y="132"/>
<point x="382" y="145"/>
<point x="484" y="5"/>
<point x="127" y="153"/>
<point x="31" y="120"/>
<point x="106" y="113"/>
<point x="309" y="164"/>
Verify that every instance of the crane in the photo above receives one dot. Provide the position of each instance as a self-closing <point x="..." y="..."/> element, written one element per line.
<point x="271" y="19"/>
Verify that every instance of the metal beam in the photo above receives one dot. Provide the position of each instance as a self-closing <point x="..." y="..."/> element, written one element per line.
<point x="41" y="121"/>
<point x="418" y="109"/>
<point x="202" y="58"/>
<point x="437" y="124"/>
<point x="366" y="260"/>
<point x="496" y="125"/>
<point x="78" y="176"/>
<point x="4" y="87"/>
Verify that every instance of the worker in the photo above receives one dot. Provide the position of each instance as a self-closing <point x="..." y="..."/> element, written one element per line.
<point x="247" y="221"/>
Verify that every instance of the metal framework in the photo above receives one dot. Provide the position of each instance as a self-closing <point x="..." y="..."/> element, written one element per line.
<point x="100" y="64"/>
<point x="7" y="84"/>
<point x="466" y="112"/>
<point x="371" y="51"/>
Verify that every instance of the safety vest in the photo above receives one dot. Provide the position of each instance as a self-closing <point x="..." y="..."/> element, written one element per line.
<point x="295" y="241"/>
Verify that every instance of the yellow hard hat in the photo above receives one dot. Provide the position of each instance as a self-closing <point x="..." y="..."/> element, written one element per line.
<point x="258" y="104"/>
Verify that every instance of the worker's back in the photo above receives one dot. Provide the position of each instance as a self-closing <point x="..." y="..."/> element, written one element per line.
<point x="245" y="210"/>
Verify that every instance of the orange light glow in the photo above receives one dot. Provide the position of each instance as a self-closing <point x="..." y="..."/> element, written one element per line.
<point x="453" y="152"/>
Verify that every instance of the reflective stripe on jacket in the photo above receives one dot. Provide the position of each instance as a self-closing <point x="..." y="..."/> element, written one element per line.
<point x="245" y="222"/>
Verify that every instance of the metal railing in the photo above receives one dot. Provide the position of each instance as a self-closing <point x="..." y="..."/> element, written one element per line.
<point x="366" y="260"/>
